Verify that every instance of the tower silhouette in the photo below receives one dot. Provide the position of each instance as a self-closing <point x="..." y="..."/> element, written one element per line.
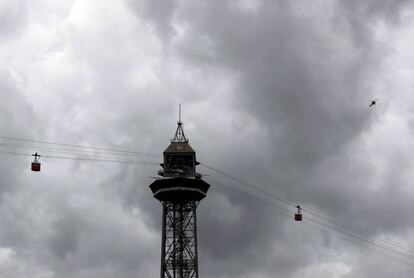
<point x="179" y="190"/>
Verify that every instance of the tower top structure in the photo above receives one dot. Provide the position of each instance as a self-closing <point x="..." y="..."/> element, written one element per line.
<point x="179" y="136"/>
<point x="179" y="190"/>
<point x="178" y="168"/>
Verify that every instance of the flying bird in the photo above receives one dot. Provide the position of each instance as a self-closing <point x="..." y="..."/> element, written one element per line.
<point x="373" y="102"/>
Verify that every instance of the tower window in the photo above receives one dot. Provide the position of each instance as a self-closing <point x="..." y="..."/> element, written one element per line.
<point x="184" y="163"/>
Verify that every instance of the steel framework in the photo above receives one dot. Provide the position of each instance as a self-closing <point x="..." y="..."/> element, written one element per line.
<point x="179" y="191"/>
<point x="179" y="240"/>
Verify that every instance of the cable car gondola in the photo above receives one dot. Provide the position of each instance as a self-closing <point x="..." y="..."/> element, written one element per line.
<point x="298" y="214"/>
<point x="36" y="164"/>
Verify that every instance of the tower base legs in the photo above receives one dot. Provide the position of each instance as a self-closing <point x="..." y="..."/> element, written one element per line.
<point x="179" y="240"/>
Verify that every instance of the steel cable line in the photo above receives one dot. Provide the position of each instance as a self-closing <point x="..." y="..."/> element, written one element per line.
<point x="278" y="197"/>
<point x="318" y="226"/>
<point x="270" y="207"/>
<point x="251" y="198"/>
<point x="90" y="155"/>
<point x="65" y="150"/>
<point x="78" y="146"/>
<point x="255" y="199"/>
<point x="124" y="152"/>
<point x="93" y="153"/>
<point x="360" y="231"/>
<point x="89" y="158"/>
<point x="15" y="153"/>
<point x="103" y="160"/>
<point x="362" y="246"/>
<point x="361" y="238"/>
<point x="84" y="158"/>
<point x="321" y="226"/>
<point x="356" y="229"/>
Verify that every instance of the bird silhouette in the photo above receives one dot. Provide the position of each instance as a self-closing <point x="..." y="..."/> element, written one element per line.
<point x="373" y="102"/>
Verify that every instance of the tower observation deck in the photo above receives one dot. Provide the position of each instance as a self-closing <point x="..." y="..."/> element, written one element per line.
<point x="179" y="190"/>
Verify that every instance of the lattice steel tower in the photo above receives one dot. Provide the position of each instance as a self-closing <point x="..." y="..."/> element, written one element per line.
<point x="179" y="190"/>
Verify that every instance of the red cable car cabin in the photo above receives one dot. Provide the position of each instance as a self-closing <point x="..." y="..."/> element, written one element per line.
<point x="36" y="164"/>
<point x="298" y="215"/>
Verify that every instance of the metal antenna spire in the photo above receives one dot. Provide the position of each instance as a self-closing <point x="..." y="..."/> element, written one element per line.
<point x="179" y="113"/>
<point x="179" y="136"/>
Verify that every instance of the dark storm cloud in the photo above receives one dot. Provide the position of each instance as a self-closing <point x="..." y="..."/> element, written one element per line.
<point x="16" y="114"/>
<point x="46" y="231"/>
<point x="305" y="80"/>
<point x="380" y="9"/>
<point x="13" y="102"/>
<point x="86" y="240"/>
<point x="273" y="92"/>
<point x="284" y="78"/>
<point x="361" y="16"/>
<point x="160" y="13"/>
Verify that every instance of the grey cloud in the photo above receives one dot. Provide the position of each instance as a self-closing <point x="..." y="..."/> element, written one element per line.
<point x="17" y="118"/>
<point x="160" y="13"/>
<point x="273" y="97"/>
<point x="307" y="86"/>
<point x="13" y="16"/>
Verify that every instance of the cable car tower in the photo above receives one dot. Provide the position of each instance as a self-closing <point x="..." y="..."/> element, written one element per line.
<point x="179" y="190"/>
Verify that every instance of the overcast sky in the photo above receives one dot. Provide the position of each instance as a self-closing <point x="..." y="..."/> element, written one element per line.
<point x="275" y="93"/>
